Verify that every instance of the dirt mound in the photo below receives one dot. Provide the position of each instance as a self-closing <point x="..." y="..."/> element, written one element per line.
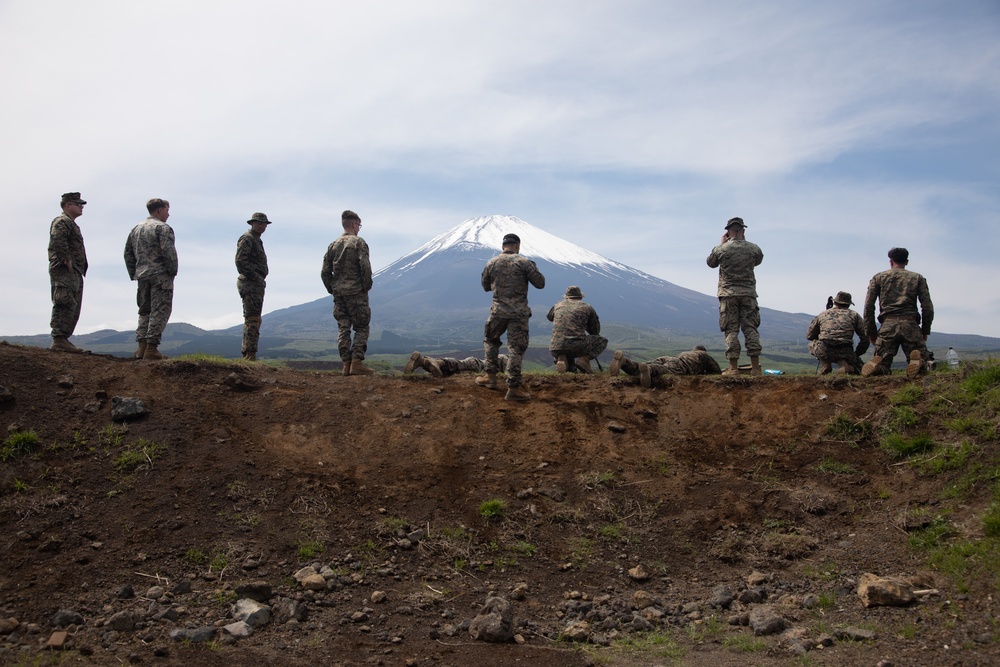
<point x="423" y="497"/>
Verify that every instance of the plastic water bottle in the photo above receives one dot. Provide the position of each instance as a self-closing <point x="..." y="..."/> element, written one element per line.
<point x="952" y="358"/>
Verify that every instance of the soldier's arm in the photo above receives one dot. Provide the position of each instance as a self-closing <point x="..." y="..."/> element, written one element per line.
<point x="593" y="323"/>
<point x="870" y="297"/>
<point x="535" y="277"/>
<point x="59" y="242"/>
<point x="712" y="365"/>
<point x="487" y="278"/>
<point x="552" y="314"/>
<point x="812" y="332"/>
<point x="130" y="258"/>
<point x="326" y="273"/>
<point x="243" y="257"/>
<point x="926" y="307"/>
<point x="364" y="265"/>
<point x="714" y="257"/>
<point x="169" y="250"/>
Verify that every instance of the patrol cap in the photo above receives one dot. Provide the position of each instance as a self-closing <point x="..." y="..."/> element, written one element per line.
<point x="510" y="239"/>
<point x="573" y="292"/>
<point x="71" y="198"/>
<point x="844" y="298"/>
<point x="258" y="217"/>
<point x="735" y="221"/>
<point x="899" y="255"/>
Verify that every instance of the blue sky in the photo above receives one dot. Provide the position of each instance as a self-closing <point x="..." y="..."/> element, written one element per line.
<point x="634" y="129"/>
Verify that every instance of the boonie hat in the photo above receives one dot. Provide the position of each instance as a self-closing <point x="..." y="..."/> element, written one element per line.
<point x="573" y="292"/>
<point x="72" y="197"/>
<point x="259" y="217"/>
<point x="735" y="221"/>
<point x="844" y="298"/>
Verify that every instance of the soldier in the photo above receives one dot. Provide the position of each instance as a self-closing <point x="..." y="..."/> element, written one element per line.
<point x="67" y="267"/>
<point x="831" y="337"/>
<point x="347" y="275"/>
<point x="575" y="326"/>
<point x="442" y="367"/>
<point x="251" y="262"/>
<point x="694" y="362"/>
<point x="151" y="260"/>
<point x="898" y="291"/>
<point x="507" y="275"/>
<point x="736" y="258"/>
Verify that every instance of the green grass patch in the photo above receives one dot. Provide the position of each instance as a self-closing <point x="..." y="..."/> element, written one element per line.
<point x="845" y="429"/>
<point x="744" y="643"/>
<point x="902" y="447"/>
<point x="659" y="644"/>
<point x="309" y="549"/>
<point x="599" y="479"/>
<point x="140" y="455"/>
<point x="493" y="510"/>
<point x="908" y="395"/>
<point x="946" y="458"/>
<point x="991" y="519"/>
<point x="932" y="535"/>
<point x="974" y="426"/>
<point x="982" y="380"/>
<point x="18" y="443"/>
<point x="834" y="467"/>
<point x="902" y="416"/>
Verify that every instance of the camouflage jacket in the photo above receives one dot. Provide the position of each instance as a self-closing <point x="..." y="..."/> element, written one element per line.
<point x="692" y="362"/>
<point x="251" y="260"/>
<point x="150" y="250"/>
<point x="898" y="291"/>
<point x="507" y="275"/>
<point x="66" y="243"/>
<point x="736" y="260"/>
<point x="347" y="268"/>
<point x="838" y="326"/>
<point x="572" y="320"/>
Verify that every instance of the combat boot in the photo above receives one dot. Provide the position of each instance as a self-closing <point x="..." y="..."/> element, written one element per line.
<point x="358" y="368"/>
<point x="416" y="361"/>
<point x="140" y="351"/>
<point x="846" y="369"/>
<point x="824" y="367"/>
<point x="60" y="344"/>
<point x="915" y="366"/>
<point x="583" y="365"/>
<point x="488" y="380"/>
<point x="562" y="365"/>
<point x="347" y="367"/>
<point x="616" y="364"/>
<point x="152" y="354"/>
<point x="734" y="367"/>
<point x="433" y="366"/>
<point x="872" y="367"/>
<point x="249" y="356"/>
<point x="645" y="379"/>
<point x="755" y="366"/>
<point x="518" y="393"/>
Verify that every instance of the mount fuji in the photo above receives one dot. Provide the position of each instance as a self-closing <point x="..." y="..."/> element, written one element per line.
<point x="434" y="292"/>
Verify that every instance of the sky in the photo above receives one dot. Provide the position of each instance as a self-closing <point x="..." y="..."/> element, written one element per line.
<point x="634" y="129"/>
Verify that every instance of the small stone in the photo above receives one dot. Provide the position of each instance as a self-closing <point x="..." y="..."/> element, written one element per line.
<point x="855" y="634"/>
<point x="638" y="573"/>
<point x="378" y="596"/>
<point x="519" y="591"/>
<point x="642" y="599"/>
<point x="721" y="598"/>
<point x="125" y="409"/>
<point x="239" y="629"/>
<point x="57" y="640"/>
<point x="757" y="578"/>
<point x="123" y="621"/>
<point x="878" y="591"/>
<point x="154" y="592"/>
<point x="65" y="617"/>
<point x="494" y="623"/>
<point x="252" y="612"/>
<point x="615" y="427"/>
<point x="577" y="631"/>
<point x="314" y="582"/>
<point x="195" y="635"/>
<point x="765" y="620"/>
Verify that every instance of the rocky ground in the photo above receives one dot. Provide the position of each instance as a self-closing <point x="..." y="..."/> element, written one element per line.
<point x="239" y="513"/>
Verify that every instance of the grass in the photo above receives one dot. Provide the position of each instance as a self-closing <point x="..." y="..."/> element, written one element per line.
<point x="309" y="549"/>
<point x="902" y="447"/>
<point x="493" y="510"/>
<point x="845" y="429"/>
<point x="599" y="479"/>
<point x="908" y="395"/>
<point x="982" y="380"/>
<point x="974" y="426"/>
<point x="140" y="455"/>
<point x="18" y="443"/>
<point x="744" y="643"/>
<point x="659" y="644"/>
<point x="902" y="416"/>
<point x="834" y="467"/>
<point x="947" y="458"/>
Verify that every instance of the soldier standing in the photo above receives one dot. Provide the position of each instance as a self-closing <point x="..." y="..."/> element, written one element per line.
<point x="507" y="275"/>
<point x="347" y="275"/>
<point x="831" y="336"/>
<point x="575" y="329"/>
<point x="693" y="362"/>
<point x="736" y="258"/>
<point x="251" y="262"/>
<point x="898" y="291"/>
<point x="151" y="260"/>
<point x="67" y="267"/>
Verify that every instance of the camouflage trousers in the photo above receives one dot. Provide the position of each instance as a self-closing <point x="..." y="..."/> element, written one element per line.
<point x="517" y="343"/>
<point x="588" y="346"/>
<point x="657" y="367"/>
<point x="738" y="313"/>
<point x="352" y="312"/>
<point x="155" y="298"/>
<point x="67" y="298"/>
<point x="893" y="334"/>
<point x="450" y="365"/>
<point x="252" y="294"/>
<point x="835" y="353"/>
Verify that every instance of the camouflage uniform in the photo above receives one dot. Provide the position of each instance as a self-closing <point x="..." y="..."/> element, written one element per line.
<point x="450" y="365"/>
<point x="738" y="308"/>
<point x="831" y="337"/>
<point x="507" y="275"/>
<point x="151" y="259"/>
<point x="692" y="362"/>
<point x="66" y="243"/>
<point x="251" y="262"/>
<point x="898" y="290"/>
<point x="347" y="275"/>
<point x="575" y="326"/>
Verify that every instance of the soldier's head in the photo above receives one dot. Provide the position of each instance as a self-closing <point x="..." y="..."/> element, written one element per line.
<point x="350" y="221"/>
<point x="843" y="300"/>
<point x="899" y="256"/>
<point x="72" y="204"/>
<point x="511" y="243"/>
<point x="701" y="348"/>
<point x="158" y="208"/>
<point x="735" y="227"/>
<point x="258" y="223"/>
<point x="573" y="292"/>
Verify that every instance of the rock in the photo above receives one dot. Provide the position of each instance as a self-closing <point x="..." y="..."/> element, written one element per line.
<point x="123" y="621"/>
<point x="239" y="629"/>
<point x="577" y="631"/>
<point x="764" y="620"/>
<point x="5" y="395"/>
<point x="314" y="582"/>
<point x="642" y="599"/>
<point x="855" y="634"/>
<point x="754" y="595"/>
<point x="154" y="592"/>
<point x="252" y="612"/>
<point x="519" y="591"/>
<point x="57" y="641"/>
<point x="286" y="610"/>
<point x="65" y="617"/>
<point x="66" y="382"/>
<point x="494" y="623"/>
<point x="378" y="596"/>
<point x="194" y="635"/>
<point x="125" y="409"/>
<point x="166" y="614"/>
<point x="260" y="591"/>
<point x="721" y="598"/>
<point x="757" y="578"/>
<point x="553" y="494"/>
<point x="236" y="383"/>
<point x="181" y="587"/>
<point x="615" y="427"/>
<point x="638" y="573"/>
<point x="877" y="591"/>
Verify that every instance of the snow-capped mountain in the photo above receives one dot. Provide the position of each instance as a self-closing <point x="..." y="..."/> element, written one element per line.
<point x="435" y="291"/>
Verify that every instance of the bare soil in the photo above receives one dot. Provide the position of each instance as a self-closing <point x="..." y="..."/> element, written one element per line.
<point x="701" y="482"/>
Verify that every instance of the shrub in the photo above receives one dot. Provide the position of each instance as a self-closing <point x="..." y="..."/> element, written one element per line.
<point x="493" y="510"/>
<point x="17" y="444"/>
